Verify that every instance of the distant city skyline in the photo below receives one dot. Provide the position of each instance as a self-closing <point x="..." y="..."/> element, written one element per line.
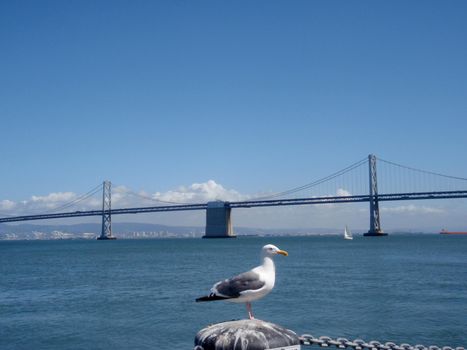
<point x="201" y="100"/>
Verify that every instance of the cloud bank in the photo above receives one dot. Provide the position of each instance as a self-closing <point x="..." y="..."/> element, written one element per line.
<point x="121" y="197"/>
<point x="199" y="193"/>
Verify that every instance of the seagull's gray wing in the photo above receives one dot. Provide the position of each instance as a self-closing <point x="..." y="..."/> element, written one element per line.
<point x="232" y="287"/>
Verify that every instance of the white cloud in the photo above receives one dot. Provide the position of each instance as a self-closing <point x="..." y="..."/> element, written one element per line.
<point x="54" y="197"/>
<point x="412" y="209"/>
<point x="48" y="202"/>
<point x="122" y="197"/>
<point x="199" y="193"/>
<point x="195" y="193"/>
<point x="60" y="201"/>
<point x="342" y="192"/>
<point x="7" y="204"/>
<point x="119" y="195"/>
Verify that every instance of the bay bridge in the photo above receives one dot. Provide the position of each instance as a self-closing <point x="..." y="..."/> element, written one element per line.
<point x="359" y="182"/>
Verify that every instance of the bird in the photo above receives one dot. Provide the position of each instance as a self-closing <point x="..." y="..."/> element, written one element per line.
<point x="248" y="286"/>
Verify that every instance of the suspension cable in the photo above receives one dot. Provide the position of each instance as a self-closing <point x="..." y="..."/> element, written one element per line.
<point x="81" y="198"/>
<point x="153" y="199"/>
<point x="317" y="182"/>
<point x="423" y="171"/>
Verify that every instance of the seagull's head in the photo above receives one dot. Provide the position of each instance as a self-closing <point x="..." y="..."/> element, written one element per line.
<point x="271" y="250"/>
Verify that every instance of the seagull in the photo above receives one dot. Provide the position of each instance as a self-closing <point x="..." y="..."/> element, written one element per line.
<point x="248" y="286"/>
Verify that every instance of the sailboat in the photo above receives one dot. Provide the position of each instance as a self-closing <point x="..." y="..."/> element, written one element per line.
<point x="347" y="233"/>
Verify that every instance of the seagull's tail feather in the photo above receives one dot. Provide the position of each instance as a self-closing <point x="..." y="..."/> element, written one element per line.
<point x="210" y="297"/>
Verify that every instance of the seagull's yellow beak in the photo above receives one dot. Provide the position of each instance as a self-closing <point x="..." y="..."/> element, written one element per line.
<point x="282" y="252"/>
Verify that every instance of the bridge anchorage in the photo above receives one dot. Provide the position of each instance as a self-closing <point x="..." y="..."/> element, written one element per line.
<point x="106" y="232"/>
<point x="218" y="222"/>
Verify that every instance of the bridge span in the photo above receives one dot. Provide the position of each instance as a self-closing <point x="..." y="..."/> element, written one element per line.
<point x="218" y="213"/>
<point x="224" y="207"/>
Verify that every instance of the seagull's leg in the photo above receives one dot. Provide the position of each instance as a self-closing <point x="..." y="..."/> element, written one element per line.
<point x="250" y="312"/>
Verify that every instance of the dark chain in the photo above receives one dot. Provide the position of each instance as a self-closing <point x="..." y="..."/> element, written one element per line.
<point x="359" y="344"/>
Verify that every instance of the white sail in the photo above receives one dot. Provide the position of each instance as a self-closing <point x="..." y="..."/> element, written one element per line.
<point x="347" y="233"/>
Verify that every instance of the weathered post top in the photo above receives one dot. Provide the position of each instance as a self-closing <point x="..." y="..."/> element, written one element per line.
<point x="246" y="335"/>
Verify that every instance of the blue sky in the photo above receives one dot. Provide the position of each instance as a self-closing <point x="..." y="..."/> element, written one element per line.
<point x="257" y="96"/>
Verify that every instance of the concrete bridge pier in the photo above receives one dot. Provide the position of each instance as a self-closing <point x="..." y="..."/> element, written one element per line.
<point x="218" y="223"/>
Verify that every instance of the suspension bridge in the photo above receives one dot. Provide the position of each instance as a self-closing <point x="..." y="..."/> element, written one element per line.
<point x="359" y="182"/>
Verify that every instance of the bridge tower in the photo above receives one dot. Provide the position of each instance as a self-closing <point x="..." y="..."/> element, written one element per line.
<point x="106" y="232"/>
<point x="375" y="225"/>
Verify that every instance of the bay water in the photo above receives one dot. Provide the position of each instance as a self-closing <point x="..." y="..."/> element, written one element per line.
<point x="140" y="294"/>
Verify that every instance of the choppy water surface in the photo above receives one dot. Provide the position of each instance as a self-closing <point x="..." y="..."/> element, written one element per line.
<point x="128" y="294"/>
